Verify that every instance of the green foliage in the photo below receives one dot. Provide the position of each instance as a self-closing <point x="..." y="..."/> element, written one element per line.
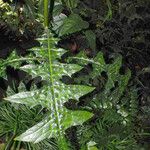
<point x="113" y="101"/>
<point x="116" y="107"/>
<point x="52" y="96"/>
<point x="99" y="66"/>
<point x="21" y="17"/>
<point x="7" y="14"/>
<point x="15" y="119"/>
<point x="68" y="24"/>
<point x="111" y="94"/>
<point x="109" y="133"/>
<point x="71" y="24"/>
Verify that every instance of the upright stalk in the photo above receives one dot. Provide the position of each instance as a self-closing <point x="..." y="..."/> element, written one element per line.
<point x="48" y="12"/>
<point x="46" y="2"/>
<point x="61" y="139"/>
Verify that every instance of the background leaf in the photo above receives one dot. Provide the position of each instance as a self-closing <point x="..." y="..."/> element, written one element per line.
<point x="72" y="24"/>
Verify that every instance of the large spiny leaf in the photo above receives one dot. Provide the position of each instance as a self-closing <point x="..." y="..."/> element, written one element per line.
<point x="48" y="127"/>
<point x="52" y="96"/>
<point x="115" y="85"/>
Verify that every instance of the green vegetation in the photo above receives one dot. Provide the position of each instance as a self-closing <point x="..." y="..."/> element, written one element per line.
<point x="65" y="93"/>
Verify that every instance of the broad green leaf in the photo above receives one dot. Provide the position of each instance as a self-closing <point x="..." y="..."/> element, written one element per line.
<point x="72" y="24"/>
<point x="73" y="118"/>
<point x="57" y="9"/>
<point x="44" y="129"/>
<point x="28" y="98"/>
<point x="58" y="22"/>
<point x="48" y="127"/>
<point x="57" y="53"/>
<point x="59" y="70"/>
<point x="43" y="96"/>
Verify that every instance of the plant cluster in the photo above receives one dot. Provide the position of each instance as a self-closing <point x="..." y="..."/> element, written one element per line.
<point x="86" y="99"/>
<point x="122" y="27"/>
<point x="54" y="94"/>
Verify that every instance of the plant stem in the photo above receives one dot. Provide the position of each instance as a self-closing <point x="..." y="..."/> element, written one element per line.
<point x="61" y="139"/>
<point x="46" y="2"/>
